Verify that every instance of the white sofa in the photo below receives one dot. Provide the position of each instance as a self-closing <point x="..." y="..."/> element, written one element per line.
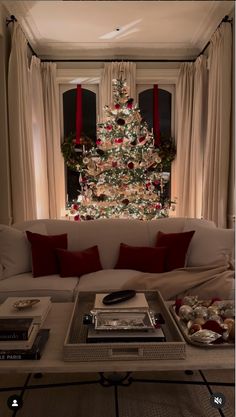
<point x="208" y="245"/>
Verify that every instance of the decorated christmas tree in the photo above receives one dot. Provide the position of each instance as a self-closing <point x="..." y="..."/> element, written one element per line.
<point x="122" y="176"/>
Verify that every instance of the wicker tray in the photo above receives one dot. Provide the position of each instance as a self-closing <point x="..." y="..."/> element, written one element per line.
<point x="76" y="349"/>
<point x="184" y="331"/>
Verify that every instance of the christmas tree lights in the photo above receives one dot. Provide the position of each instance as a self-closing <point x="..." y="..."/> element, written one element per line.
<point x="122" y="176"/>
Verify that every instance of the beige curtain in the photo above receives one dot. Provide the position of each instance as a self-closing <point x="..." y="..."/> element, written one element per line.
<point x="112" y="71"/>
<point x="55" y="161"/>
<point x="20" y="130"/>
<point x="39" y="141"/>
<point x="216" y="161"/>
<point x="191" y="93"/>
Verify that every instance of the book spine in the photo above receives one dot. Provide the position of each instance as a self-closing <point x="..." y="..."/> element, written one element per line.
<point x="13" y="335"/>
<point x="31" y="354"/>
<point x="20" y="356"/>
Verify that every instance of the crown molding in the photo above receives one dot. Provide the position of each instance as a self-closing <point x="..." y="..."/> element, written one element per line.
<point x="210" y="23"/>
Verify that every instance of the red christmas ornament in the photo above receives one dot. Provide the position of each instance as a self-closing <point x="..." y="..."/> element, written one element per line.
<point x="148" y="184"/>
<point x="158" y="206"/>
<point x="77" y="218"/>
<point x="109" y="127"/>
<point x="129" y="105"/>
<point x="178" y="304"/>
<point x="98" y="141"/>
<point x="114" y="164"/>
<point x="130" y="165"/>
<point x="117" y="106"/>
<point x="141" y="139"/>
<point x="75" y="206"/>
<point x="156" y="182"/>
<point x="119" y="140"/>
<point x="125" y="201"/>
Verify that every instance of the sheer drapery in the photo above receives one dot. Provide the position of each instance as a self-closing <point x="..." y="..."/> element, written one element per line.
<point x="39" y="141"/>
<point x="216" y="161"/>
<point x="55" y="161"/>
<point x="112" y="71"/>
<point x="20" y="130"/>
<point x="191" y="93"/>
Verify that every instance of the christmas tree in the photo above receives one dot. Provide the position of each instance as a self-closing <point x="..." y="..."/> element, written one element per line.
<point x="122" y="176"/>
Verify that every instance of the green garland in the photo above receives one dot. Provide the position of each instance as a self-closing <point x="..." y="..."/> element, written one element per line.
<point x="74" y="159"/>
<point x="72" y="153"/>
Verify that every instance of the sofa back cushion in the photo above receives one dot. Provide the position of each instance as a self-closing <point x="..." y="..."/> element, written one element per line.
<point x="107" y="234"/>
<point x="208" y="246"/>
<point x="15" y="251"/>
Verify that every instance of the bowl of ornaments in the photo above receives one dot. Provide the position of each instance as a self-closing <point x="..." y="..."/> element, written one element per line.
<point x="205" y="323"/>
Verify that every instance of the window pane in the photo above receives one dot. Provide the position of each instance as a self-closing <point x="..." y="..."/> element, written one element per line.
<point x="88" y="129"/>
<point x="146" y="109"/>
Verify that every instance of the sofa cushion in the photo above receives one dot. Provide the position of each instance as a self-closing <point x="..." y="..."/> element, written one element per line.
<point x="177" y="246"/>
<point x="106" y="280"/>
<point x="25" y="285"/>
<point x="44" y="258"/>
<point x="75" y="264"/>
<point x="141" y="258"/>
<point x="15" y="252"/>
<point x="210" y="245"/>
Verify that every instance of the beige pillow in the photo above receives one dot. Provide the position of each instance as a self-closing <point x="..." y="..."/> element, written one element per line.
<point x="209" y="245"/>
<point x="15" y="250"/>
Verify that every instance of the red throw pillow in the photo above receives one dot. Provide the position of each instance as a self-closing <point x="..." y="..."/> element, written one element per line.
<point x="44" y="258"/>
<point x="75" y="264"/>
<point x="177" y="245"/>
<point x="144" y="259"/>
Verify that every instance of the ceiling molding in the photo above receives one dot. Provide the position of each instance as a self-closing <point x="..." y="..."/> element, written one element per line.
<point x="93" y="76"/>
<point x="210" y="23"/>
<point x="210" y="13"/>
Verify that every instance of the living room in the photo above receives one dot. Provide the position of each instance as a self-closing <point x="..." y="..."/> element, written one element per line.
<point x="117" y="134"/>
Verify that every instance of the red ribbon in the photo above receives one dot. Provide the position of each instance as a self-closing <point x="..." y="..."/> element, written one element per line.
<point x="156" y="117"/>
<point x="78" y="114"/>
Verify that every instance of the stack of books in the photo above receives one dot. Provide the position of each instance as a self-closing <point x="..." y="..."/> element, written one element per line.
<point x="21" y="335"/>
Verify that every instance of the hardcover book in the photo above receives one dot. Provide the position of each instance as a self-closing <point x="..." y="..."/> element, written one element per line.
<point x="15" y="328"/>
<point x="20" y="344"/>
<point x="137" y="302"/>
<point x="28" y="354"/>
<point x="38" y="311"/>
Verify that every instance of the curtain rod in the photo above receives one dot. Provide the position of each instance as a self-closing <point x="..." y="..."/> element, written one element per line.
<point x="225" y="19"/>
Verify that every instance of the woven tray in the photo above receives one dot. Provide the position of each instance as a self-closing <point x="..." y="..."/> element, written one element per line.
<point x="184" y="331"/>
<point x="76" y="348"/>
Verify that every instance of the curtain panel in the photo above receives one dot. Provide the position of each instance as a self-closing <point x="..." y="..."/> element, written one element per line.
<point x="39" y="141"/>
<point x="20" y="130"/>
<point x="55" y="161"/>
<point x="112" y="71"/>
<point x="191" y="94"/>
<point x="217" y="152"/>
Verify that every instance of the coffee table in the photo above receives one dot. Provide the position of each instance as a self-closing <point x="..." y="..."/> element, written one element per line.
<point x="52" y="359"/>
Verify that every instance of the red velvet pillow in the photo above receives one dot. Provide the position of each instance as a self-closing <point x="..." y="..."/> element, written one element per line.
<point x="75" y="264"/>
<point x="177" y="245"/>
<point x="44" y="258"/>
<point x="144" y="259"/>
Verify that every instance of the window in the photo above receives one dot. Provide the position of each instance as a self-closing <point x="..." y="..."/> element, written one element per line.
<point x="165" y="101"/>
<point x="89" y="99"/>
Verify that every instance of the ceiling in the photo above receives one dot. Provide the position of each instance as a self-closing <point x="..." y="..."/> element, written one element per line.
<point x="118" y="29"/>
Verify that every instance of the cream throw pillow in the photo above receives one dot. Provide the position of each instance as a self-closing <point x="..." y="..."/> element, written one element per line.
<point x="209" y="245"/>
<point x="15" y="250"/>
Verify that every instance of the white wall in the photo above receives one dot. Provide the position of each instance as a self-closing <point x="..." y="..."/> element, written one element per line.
<point x="5" y="206"/>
